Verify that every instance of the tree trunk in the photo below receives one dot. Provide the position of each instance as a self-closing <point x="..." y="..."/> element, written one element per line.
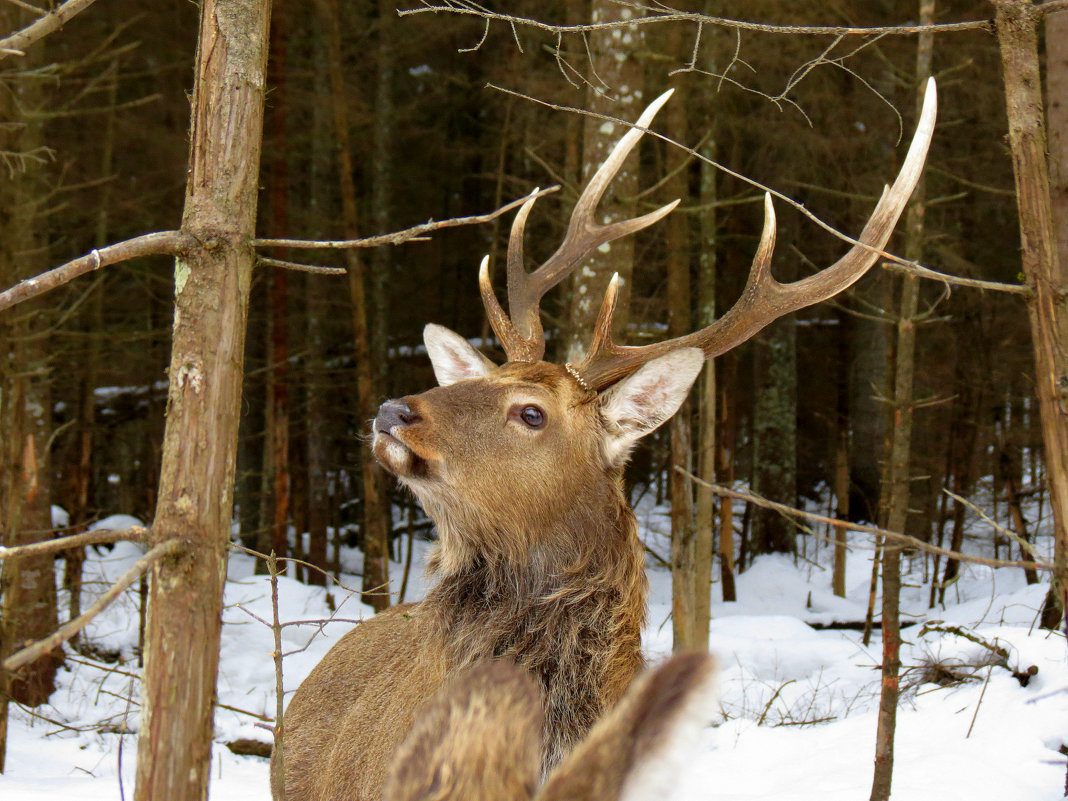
<point x="376" y="508"/>
<point x="382" y="190"/>
<point x="615" y="90"/>
<point x="775" y="417"/>
<point x="316" y="311"/>
<point x="277" y="441"/>
<point x="841" y="465"/>
<point x="1056" y="610"/>
<point x="900" y="451"/>
<point x="27" y="585"/>
<point x="1016" y="22"/>
<point x="725" y="437"/>
<point x="707" y="417"/>
<point x="200" y="442"/>
<point x="684" y="587"/>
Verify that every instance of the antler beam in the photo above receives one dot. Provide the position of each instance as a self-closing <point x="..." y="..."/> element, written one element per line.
<point x="764" y="299"/>
<point x="520" y="331"/>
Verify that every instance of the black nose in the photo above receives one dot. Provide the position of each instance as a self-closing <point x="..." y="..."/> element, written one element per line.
<point x="394" y="413"/>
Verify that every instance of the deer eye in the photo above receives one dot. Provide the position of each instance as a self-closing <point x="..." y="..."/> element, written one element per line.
<point x="532" y="416"/>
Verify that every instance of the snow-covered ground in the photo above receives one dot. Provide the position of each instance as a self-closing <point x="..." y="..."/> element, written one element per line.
<point x="798" y="703"/>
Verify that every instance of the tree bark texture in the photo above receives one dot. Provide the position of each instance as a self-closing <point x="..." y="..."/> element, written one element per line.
<point x="1016" y="23"/>
<point x="898" y="475"/>
<point x="200" y="442"/>
<point x="615" y="90"/>
<point x="1057" y="93"/>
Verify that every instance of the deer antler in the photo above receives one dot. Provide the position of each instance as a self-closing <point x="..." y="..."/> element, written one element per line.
<point x="764" y="299"/>
<point x="520" y="331"/>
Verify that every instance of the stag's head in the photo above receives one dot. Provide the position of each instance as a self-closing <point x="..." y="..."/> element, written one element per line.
<point x="506" y="457"/>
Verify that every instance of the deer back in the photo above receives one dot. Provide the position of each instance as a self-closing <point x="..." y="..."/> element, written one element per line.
<point x="478" y="739"/>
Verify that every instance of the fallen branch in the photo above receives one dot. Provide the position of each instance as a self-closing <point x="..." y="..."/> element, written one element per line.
<point x="397" y="237"/>
<point x="155" y="244"/>
<point x="69" y="629"/>
<point x="903" y="539"/>
<point x="98" y="537"/>
<point x="16" y="43"/>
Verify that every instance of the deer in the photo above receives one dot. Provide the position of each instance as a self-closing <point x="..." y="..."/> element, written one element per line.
<point x="479" y="739"/>
<point x="538" y="561"/>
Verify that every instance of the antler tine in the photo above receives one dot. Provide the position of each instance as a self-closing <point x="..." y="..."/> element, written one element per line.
<point x="521" y="332"/>
<point x="764" y="299"/>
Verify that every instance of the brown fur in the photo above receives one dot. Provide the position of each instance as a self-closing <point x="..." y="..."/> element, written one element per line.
<point x="661" y="708"/>
<point x="479" y="740"/>
<point x="539" y="563"/>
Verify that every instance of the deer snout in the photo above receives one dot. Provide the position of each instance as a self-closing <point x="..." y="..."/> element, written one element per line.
<point x="392" y="414"/>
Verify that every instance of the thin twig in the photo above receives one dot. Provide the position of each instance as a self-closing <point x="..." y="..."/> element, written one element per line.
<point x="301" y="267"/>
<point x="69" y="629"/>
<point x="279" y="687"/>
<point x="16" y="43"/>
<point x="98" y="537"/>
<point x="397" y="237"/>
<point x="979" y="703"/>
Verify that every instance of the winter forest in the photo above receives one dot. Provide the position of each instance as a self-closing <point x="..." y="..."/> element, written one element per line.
<point x="224" y="226"/>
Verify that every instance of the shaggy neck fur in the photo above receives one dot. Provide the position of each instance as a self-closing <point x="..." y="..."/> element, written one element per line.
<point x="571" y="612"/>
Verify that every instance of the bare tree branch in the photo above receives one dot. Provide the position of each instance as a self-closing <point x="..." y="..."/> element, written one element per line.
<point x="913" y="268"/>
<point x="98" y="537"/>
<point x="155" y="244"/>
<point x="301" y="267"/>
<point x="904" y="539"/>
<point x="16" y="43"/>
<point x="661" y="13"/>
<point x="72" y="627"/>
<point x="398" y="237"/>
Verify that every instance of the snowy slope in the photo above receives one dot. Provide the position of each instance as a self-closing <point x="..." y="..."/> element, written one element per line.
<point x="798" y="704"/>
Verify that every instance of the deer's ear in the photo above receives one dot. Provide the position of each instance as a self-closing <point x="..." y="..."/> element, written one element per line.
<point x="452" y="356"/>
<point x="638" y="404"/>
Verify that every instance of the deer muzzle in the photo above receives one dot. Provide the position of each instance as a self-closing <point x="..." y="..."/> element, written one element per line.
<point x="390" y="448"/>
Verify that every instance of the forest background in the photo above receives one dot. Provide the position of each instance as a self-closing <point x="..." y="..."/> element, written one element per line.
<point x="378" y="121"/>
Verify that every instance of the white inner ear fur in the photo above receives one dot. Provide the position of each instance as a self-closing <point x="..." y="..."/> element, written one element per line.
<point x="638" y="404"/>
<point x="452" y="356"/>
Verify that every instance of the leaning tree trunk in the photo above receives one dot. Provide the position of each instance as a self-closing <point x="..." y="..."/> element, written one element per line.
<point x="1016" y="22"/>
<point x="211" y="284"/>
<point x="900" y="450"/>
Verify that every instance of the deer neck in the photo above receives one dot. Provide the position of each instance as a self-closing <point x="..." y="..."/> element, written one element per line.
<point x="571" y="614"/>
